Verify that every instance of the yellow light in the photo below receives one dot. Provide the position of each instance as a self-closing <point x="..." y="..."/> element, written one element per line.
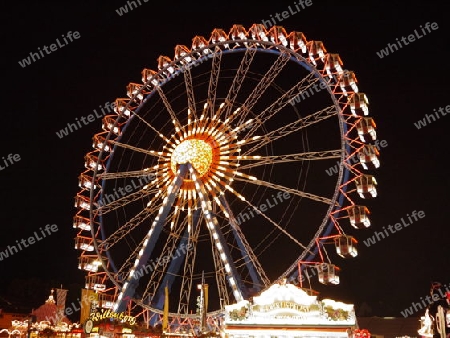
<point x="196" y="152"/>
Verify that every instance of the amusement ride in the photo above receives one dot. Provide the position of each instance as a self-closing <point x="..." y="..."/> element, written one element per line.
<point x="231" y="166"/>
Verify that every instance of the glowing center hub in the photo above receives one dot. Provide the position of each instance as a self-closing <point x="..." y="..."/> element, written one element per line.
<point x="197" y="152"/>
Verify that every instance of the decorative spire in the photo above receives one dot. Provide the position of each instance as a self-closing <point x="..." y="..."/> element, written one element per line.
<point x="51" y="299"/>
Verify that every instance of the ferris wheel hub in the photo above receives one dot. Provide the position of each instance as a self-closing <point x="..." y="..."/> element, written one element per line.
<point x="197" y="152"/>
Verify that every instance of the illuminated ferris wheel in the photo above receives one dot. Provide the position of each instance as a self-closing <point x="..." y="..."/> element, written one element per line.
<point x="234" y="163"/>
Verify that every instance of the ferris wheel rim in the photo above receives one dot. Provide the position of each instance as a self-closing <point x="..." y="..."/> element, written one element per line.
<point x="274" y="48"/>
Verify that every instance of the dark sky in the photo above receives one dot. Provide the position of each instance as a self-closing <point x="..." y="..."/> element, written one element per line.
<point x="402" y="88"/>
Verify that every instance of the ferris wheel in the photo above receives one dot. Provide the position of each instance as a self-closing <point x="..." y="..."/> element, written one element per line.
<point x="232" y="164"/>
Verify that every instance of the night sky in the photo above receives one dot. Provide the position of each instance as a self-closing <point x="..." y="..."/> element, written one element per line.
<point x="40" y="178"/>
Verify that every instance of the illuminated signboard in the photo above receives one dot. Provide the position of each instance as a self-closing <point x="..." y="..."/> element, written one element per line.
<point x="108" y="314"/>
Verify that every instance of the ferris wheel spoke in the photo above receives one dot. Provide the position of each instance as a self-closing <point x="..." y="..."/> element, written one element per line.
<point x="125" y="229"/>
<point x="276" y="225"/>
<point x="135" y="173"/>
<point x="156" y="131"/>
<point x="130" y="285"/>
<point x="188" y="268"/>
<point x="169" y="108"/>
<point x="213" y="81"/>
<point x="292" y="127"/>
<point x="238" y="80"/>
<point x="165" y="268"/>
<point x="221" y="274"/>
<point x="250" y="260"/>
<point x="107" y="206"/>
<point x="108" y="202"/>
<point x="220" y="267"/>
<point x="261" y="87"/>
<point x="286" y="189"/>
<point x="123" y="272"/>
<point x="190" y="92"/>
<point x="139" y="150"/>
<point x="252" y="263"/>
<point x="306" y="83"/>
<point x="298" y="157"/>
<point x="127" y="265"/>
<point x="219" y="242"/>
